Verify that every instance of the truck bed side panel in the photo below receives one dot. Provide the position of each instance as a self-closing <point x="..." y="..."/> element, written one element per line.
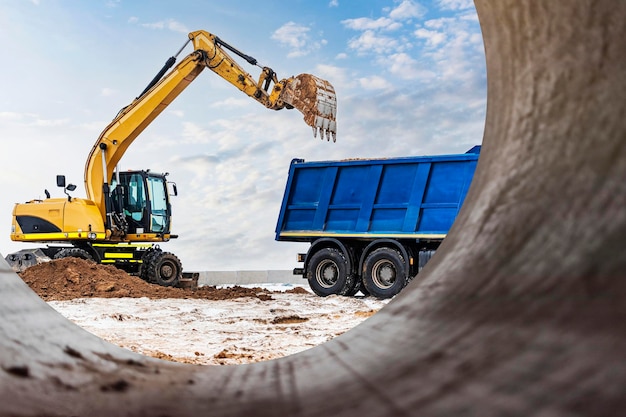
<point x="417" y="197"/>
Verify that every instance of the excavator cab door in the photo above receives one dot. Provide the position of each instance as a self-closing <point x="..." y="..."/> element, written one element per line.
<point x="159" y="204"/>
<point x="144" y="202"/>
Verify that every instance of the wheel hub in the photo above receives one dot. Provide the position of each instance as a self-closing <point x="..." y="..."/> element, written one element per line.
<point x="327" y="273"/>
<point x="167" y="271"/>
<point x="384" y="274"/>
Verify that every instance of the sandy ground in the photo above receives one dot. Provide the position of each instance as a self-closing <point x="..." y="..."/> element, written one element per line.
<point x="240" y="330"/>
<point x="210" y="325"/>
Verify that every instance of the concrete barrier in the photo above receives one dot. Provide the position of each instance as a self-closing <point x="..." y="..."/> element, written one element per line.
<point x="249" y="277"/>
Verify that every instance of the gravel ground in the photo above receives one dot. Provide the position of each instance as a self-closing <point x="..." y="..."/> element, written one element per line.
<point x="210" y="325"/>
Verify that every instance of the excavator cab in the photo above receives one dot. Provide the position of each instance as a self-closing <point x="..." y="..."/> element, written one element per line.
<point x="142" y="197"/>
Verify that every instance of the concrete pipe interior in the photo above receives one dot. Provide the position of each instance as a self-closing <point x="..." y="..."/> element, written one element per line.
<point x="523" y="312"/>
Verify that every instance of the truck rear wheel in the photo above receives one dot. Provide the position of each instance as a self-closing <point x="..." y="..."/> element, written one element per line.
<point x="328" y="273"/>
<point x="384" y="273"/>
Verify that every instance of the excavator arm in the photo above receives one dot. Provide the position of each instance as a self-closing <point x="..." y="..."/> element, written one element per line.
<point x="314" y="97"/>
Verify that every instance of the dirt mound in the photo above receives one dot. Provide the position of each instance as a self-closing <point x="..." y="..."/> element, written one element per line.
<point x="69" y="278"/>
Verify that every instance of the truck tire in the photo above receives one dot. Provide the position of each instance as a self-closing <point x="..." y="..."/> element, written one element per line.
<point x="73" y="253"/>
<point x="384" y="273"/>
<point x="328" y="273"/>
<point x="164" y="268"/>
<point x="356" y="287"/>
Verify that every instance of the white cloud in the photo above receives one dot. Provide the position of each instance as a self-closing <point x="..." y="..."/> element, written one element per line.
<point x="331" y="72"/>
<point x="51" y="122"/>
<point x="472" y="17"/>
<point x="454" y="47"/>
<point x="433" y="38"/>
<point x="94" y="126"/>
<point x="297" y="38"/>
<point x="177" y="113"/>
<point x="31" y="119"/>
<point x="10" y="115"/>
<point x="365" y="23"/>
<point x="370" y="41"/>
<point x="292" y="35"/>
<point x="407" y="10"/>
<point x="374" y="82"/>
<point x="169" y="24"/>
<point x="108" y="92"/>
<point x="232" y="102"/>
<point x="441" y="23"/>
<point x="177" y="27"/>
<point x="193" y="133"/>
<point x="403" y="66"/>
<point x="456" y="4"/>
<point x="333" y="3"/>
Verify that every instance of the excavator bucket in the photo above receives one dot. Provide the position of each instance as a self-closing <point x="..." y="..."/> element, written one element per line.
<point x="316" y="99"/>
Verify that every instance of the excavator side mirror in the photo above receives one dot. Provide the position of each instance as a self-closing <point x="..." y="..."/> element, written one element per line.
<point x="173" y="190"/>
<point x="66" y="187"/>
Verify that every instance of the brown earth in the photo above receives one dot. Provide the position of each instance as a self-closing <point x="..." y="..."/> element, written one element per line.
<point x="70" y="278"/>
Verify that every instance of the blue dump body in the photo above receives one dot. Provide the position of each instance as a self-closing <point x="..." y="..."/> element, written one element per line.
<point x="400" y="198"/>
<point x="372" y="224"/>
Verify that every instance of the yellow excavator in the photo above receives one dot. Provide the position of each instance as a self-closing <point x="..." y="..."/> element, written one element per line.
<point x="126" y="214"/>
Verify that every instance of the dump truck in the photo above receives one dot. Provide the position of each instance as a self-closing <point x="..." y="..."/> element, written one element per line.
<point x="128" y="213"/>
<point x="372" y="224"/>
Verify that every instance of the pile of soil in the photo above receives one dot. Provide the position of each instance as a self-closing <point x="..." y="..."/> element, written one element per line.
<point x="70" y="278"/>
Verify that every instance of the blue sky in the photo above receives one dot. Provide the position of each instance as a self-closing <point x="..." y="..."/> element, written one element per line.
<point x="409" y="76"/>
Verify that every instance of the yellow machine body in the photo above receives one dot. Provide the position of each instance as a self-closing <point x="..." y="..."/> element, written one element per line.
<point x="57" y="219"/>
<point x="60" y="220"/>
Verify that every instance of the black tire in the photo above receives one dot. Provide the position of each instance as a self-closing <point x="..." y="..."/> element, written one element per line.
<point x="164" y="268"/>
<point x="384" y="273"/>
<point x="73" y="253"/>
<point x="364" y="290"/>
<point x="146" y="260"/>
<point x="328" y="273"/>
<point x="356" y="287"/>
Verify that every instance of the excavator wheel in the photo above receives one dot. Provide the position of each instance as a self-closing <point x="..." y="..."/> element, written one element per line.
<point x="163" y="268"/>
<point x="146" y="260"/>
<point x="73" y="253"/>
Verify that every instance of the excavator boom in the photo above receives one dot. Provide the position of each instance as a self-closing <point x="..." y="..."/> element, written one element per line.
<point x="313" y="97"/>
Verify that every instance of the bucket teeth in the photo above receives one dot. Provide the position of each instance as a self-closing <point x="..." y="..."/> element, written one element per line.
<point x="316" y="100"/>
